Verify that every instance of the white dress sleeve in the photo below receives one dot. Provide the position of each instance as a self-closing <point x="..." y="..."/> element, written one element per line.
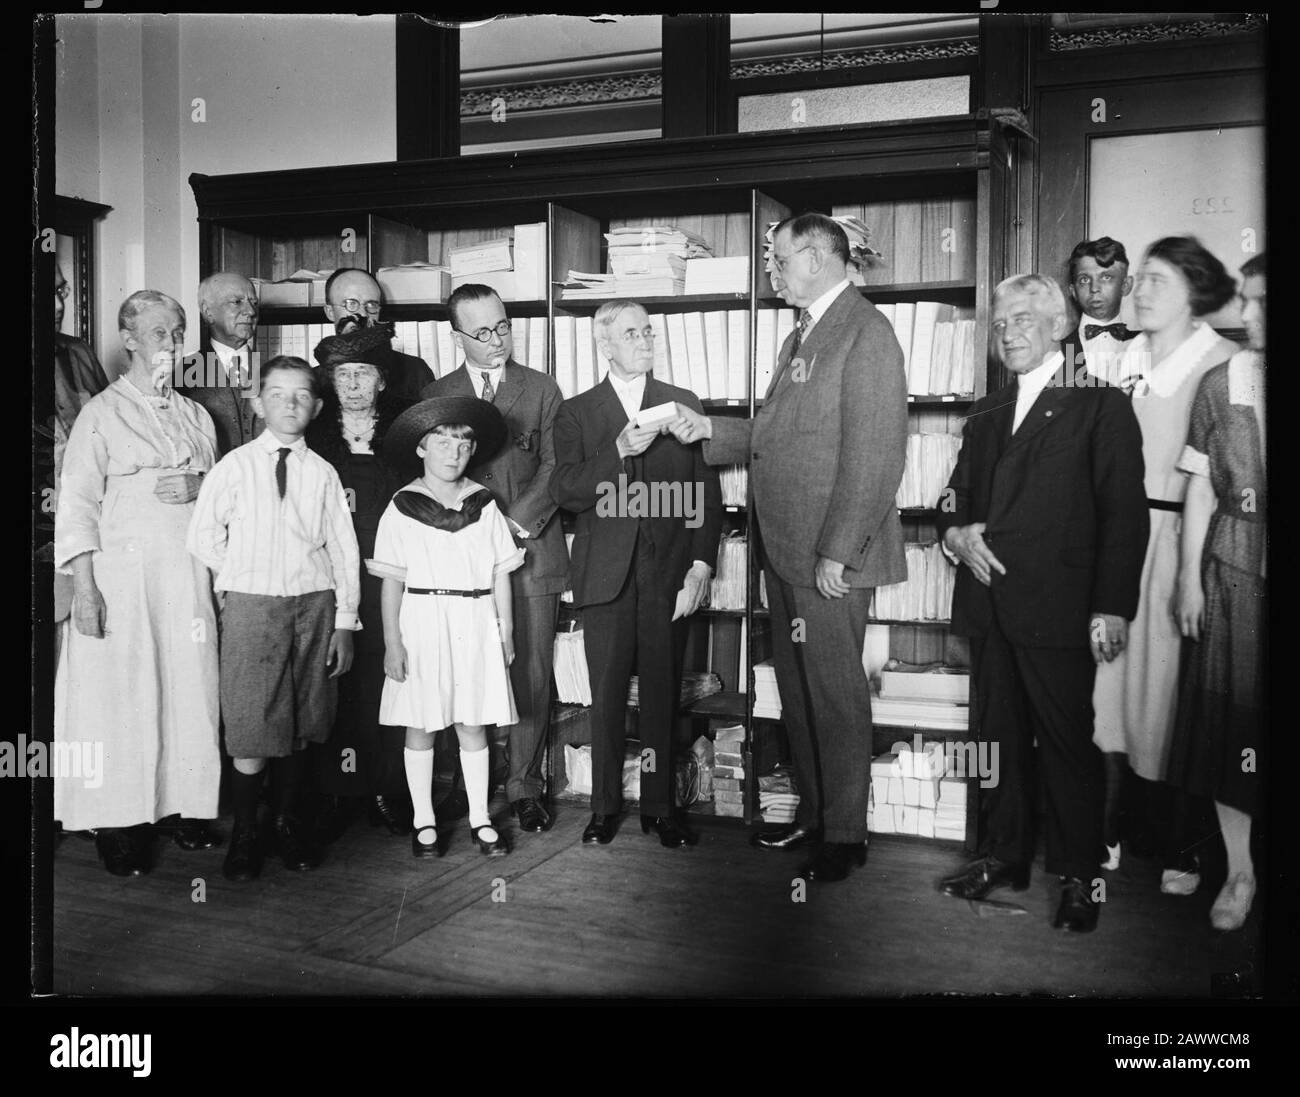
<point x="389" y="561"/>
<point x="506" y="555"/>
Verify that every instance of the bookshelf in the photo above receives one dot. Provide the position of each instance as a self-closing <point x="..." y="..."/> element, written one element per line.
<point x="934" y="194"/>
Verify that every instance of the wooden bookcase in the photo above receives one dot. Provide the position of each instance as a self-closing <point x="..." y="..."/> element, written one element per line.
<point x="934" y="193"/>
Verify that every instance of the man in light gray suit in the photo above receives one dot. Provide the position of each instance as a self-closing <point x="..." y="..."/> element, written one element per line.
<point x="826" y="454"/>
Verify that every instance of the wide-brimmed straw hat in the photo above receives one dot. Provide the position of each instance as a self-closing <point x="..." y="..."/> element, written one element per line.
<point x="415" y="422"/>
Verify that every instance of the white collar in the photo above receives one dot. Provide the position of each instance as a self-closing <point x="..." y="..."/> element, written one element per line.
<point x="636" y="385"/>
<point x="225" y="353"/>
<point x="818" y="308"/>
<point x="272" y="444"/>
<point x="469" y="489"/>
<point x="1084" y="318"/>
<point x="1167" y="377"/>
<point x="1036" y="379"/>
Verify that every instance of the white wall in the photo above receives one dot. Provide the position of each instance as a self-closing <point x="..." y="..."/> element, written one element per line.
<point x="278" y="91"/>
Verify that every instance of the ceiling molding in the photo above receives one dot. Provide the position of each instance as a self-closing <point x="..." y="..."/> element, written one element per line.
<point x="1093" y="36"/>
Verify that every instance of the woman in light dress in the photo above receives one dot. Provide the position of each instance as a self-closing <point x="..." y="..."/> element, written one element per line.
<point x="1135" y="696"/>
<point x="135" y="695"/>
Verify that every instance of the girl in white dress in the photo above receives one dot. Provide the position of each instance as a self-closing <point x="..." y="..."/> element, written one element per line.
<point x="445" y="553"/>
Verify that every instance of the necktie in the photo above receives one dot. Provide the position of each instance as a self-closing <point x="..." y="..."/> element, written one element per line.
<point x="488" y="391"/>
<point x="805" y="318"/>
<point x="1091" y="331"/>
<point x="282" y="470"/>
<point x="236" y="372"/>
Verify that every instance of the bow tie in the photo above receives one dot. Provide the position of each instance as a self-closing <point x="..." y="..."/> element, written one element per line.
<point x="1091" y="331"/>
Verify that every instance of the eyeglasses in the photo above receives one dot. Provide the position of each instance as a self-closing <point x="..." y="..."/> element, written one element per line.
<point x="632" y="335"/>
<point x="484" y="335"/>
<point x="62" y="292"/>
<point x="779" y="265"/>
<point x="371" y="308"/>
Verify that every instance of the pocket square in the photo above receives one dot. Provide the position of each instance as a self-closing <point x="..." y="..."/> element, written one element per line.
<point x="525" y="441"/>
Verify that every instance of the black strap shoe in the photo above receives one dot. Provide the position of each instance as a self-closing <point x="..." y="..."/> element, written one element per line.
<point x="490" y="847"/>
<point x="292" y="844"/>
<point x="599" y="830"/>
<point x="834" y="860"/>
<point x="791" y="837"/>
<point x="531" y="815"/>
<point x="244" y="857"/>
<point x="426" y="849"/>
<point x="1076" y="912"/>
<point x="983" y="876"/>
<point x="672" y="832"/>
<point x="385" y="812"/>
<point x="196" y="834"/>
<point x="121" y="850"/>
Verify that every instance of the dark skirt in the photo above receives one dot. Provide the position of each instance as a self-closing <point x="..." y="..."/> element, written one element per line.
<point x="1218" y="736"/>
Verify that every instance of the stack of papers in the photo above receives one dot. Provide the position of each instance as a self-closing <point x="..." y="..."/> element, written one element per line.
<point x="912" y="793"/>
<point x="412" y="283"/>
<point x="644" y="261"/>
<point x="731" y="577"/>
<point x="930" y="461"/>
<point x="572" y="685"/>
<point x="926" y="593"/>
<point x="767" y="699"/>
<point x="933" y="715"/>
<point x="728" y="770"/>
<point x="901" y="681"/>
<point x="938" y="344"/>
<point x="735" y="485"/>
<point x="777" y="799"/>
<point x="297" y="289"/>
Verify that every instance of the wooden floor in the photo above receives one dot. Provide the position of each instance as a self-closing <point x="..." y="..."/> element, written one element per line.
<point x="628" y="919"/>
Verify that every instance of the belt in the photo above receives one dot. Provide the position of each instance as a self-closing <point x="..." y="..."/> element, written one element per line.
<point x="1162" y="504"/>
<point x="442" y="590"/>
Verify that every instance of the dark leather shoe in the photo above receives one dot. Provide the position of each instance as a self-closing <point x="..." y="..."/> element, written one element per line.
<point x="244" y="857"/>
<point x="791" y="837"/>
<point x="333" y="814"/>
<point x="386" y="812"/>
<point x="978" y="879"/>
<point x="672" y="832"/>
<point x="195" y="834"/>
<point x="293" y="845"/>
<point x="1076" y="912"/>
<point x="425" y="849"/>
<point x="490" y="848"/>
<point x="455" y="805"/>
<point x="834" y="860"/>
<point x="122" y="851"/>
<point x="531" y="815"/>
<point x="600" y="829"/>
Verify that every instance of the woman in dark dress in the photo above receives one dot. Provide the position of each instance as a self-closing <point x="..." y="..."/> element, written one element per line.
<point x="362" y="758"/>
<point x="1222" y="601"/>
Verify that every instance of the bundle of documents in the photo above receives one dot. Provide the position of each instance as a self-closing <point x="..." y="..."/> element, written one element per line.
<point x="735" y="484"/>
<point x="912" y="793"/>
<point x="938" y="344"/>
<point x="767" y="698"/>
<point x="731" y="577"/>
<point x="861" y="254"/>
<point x="930" y="461"/>
<point x="778" y="801"/>
<point x="901" y="681"/>
<point x="572" y="685"/>
<point x="644" y="261"/>
<point x="914" y="713"/>
<point x="695" y="684"/>
<point x="414" y="283"/>
<point x="480" y="258"/>
<point x="724" y="274"/>
<point x="729" y="770"/>
<point x="926" y="594"/>
<point x="514" y="266"/>
<point x="302" y="287"/>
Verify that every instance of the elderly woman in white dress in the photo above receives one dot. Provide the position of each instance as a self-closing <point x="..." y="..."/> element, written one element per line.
<point x="136" y="688"/>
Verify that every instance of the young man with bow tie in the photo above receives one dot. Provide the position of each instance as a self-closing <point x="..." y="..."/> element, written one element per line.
<point x="1099" y="282"/>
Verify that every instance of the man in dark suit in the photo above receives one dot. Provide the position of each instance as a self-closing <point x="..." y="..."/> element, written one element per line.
<point x="826" y="455"/>
<point x="228" y="305"/>
<point x="649" y="515"/>
<point x="1047" y="511"/>
<point x="519" y="480"/>
<point x="354" y="299"/>
<point x="1099" y="282"/>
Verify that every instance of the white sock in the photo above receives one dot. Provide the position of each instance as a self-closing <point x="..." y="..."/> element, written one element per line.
<point x="475" y="765"/>
<point x="419" y="779"/>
